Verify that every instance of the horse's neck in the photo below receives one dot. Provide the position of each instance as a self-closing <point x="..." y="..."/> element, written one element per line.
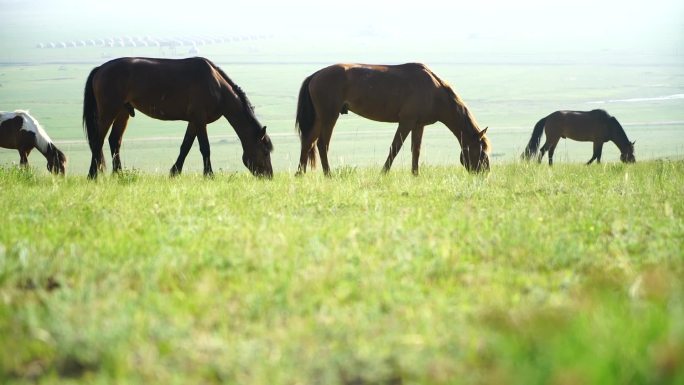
<point x="240" y="126"/>
<point x="620" y="139"/>
<point x="48" y="151"/>
<point x="459" y="121"/>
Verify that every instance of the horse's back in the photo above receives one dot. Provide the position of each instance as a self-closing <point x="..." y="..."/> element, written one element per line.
<point x="400" y="75"/>
<point x="167" y="89"/>
<point x="579" y="125"/>
<point x="377" y="92"/>
<point x="142" y="69"/>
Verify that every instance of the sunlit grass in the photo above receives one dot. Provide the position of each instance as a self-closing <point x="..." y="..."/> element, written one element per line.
<point x="527" y="275"/>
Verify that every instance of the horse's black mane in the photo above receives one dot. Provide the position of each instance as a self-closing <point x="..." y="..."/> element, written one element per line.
<point x="247" y="105"/>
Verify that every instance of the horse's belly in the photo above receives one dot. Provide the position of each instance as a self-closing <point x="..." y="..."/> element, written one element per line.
<point x="375" y="111"/>
<point x="378" y="116"/>
<point x="581" y="136"/>
<point x="161" y="112"/>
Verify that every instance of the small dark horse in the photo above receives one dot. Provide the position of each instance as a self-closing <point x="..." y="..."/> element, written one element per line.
<point x="410" y="94"/>
<point x="194" y="90"/>
<point x="584" y="126"/>
<point x="20" y="131"/>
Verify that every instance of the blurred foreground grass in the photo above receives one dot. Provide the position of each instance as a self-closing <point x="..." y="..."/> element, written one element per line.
<point x="529" y="275"/>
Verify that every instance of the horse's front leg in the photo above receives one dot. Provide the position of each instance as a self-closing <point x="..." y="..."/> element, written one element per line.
<point x="401" y="134"/>
<point x="598" y="149"/>
<point x="203" y="140"/>
<point x="416" y="140"/>
<point x="23" y="157"/>
<point x="188" y="140"/>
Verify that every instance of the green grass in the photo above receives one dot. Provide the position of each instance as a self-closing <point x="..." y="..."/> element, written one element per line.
<point x="529" y="275"/>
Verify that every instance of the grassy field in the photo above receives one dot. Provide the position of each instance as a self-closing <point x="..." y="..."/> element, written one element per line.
<point x="528" y="275"/>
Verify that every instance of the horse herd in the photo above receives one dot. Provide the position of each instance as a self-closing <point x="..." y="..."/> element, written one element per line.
<point x="197" y="91"/>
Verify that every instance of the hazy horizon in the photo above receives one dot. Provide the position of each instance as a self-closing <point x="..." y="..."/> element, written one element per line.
<point x="364" y="28"/>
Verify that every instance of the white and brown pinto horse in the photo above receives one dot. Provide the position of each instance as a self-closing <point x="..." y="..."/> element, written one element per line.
<point x="22" y="132"/>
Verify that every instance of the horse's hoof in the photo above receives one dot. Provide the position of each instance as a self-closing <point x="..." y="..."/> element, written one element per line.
<point x="174" y="171"/>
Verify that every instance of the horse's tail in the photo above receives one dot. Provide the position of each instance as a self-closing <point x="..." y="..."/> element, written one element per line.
<point x="90" y="111"/>
<point x="533" y="145"/>
<point x="306" y="115"/>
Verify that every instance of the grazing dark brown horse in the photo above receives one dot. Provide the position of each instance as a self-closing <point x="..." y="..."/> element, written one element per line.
<point x="194" y="90"/>
<point x="410" y="94"/>
<point x="584" y="126"/>
<point x="21" y="131"/>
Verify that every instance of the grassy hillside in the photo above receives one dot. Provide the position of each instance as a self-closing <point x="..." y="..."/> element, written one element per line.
<point x="529" y="275"/>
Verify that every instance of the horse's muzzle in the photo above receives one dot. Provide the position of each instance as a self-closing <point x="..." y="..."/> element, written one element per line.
<point x="267" y="174"/>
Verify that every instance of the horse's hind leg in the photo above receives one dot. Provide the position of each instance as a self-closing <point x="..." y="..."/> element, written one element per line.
<point x="550" y="146"/>
<point x="598" y="149"/>
<point x="190" y="135"/>
<point x="115" y="136"/>
<point x="402" y="132"/>
<point x="416" y="140"/>
<point x="542" y="151"/>
<point x="306" y="152"/>
<point x="97" y="162"/>
<point x="325" y="128"/>
<point x="552" y="149"/>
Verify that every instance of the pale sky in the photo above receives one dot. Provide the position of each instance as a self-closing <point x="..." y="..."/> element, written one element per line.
<point x="624" y="24"/>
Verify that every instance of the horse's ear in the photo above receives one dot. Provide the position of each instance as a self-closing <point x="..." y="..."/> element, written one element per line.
<point x="483" y="132"/>
<point x="633" y="142"/>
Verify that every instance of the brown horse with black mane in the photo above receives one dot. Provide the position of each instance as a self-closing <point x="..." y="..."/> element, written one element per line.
<point x="410" y="94"/>
<point x="584" y="126"/>
<point x="194" y="90"/>
<point x="21" y="131"/>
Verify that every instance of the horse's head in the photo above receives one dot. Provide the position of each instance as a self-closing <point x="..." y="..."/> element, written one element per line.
<point x="56" y="160"/>
<point x="257" y="157"/>
<point x="628" y="156"/>
<point x="475" y="152"/>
